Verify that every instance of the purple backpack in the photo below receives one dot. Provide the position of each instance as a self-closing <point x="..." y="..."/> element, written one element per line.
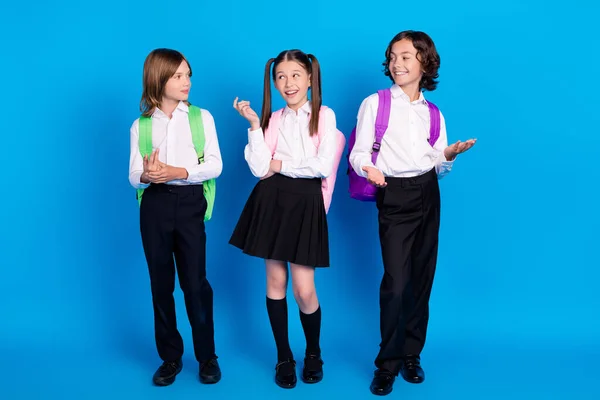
<point x="360" y="188"/>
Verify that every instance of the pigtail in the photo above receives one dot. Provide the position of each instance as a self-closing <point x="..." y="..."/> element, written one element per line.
<point x="315" y="84"/>
<point x="266" y="106"/>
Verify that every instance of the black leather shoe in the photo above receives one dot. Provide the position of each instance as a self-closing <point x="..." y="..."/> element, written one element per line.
<point x="313" y="369"/>
<point x="411" y="369"/>
<point x="285" y="374"/>
<point x="166" y="373"/>
<point x="210" y="372"/>
<point x="383" y="382"/>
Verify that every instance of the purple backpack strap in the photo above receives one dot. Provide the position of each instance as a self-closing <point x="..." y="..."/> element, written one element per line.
<point x="381" y="123"/>
<point x="434" y="124"/>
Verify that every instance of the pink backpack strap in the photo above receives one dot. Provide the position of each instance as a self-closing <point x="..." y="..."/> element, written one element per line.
<point x="272" y="131"/>
<point x="328" y="184"/>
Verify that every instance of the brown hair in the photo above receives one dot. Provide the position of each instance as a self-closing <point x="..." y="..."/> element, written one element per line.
<point x="311" y="65"/>
<point x="426" y="54"/>
<point x="159" y="67"/>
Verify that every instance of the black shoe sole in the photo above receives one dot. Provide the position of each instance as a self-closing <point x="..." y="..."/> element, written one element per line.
<point x="415" y="382"/>
<point x="285" y="385"/>
<point x="312" y="381"/>
<point x="381" y="393"/>
<point x="163" y="382"/>
<point x="209" y="380"/>
<point x="166" y="381"/>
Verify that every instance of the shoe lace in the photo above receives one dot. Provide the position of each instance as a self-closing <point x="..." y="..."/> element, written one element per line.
<point x="412" y="362"/>
<point x="209" y="364"/>
<point x="384" y="373"/>
<point x="169" y="367"/>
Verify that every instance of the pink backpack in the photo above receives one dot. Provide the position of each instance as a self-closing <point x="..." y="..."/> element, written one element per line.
<point x="328" y="184"/>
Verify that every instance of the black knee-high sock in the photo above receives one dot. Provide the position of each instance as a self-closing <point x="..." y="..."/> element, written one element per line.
<point x="311" y="323"/>
<point x="278" y="315"/>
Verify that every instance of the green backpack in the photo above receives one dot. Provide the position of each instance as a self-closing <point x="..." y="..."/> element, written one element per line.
<point x="197" y="127"/>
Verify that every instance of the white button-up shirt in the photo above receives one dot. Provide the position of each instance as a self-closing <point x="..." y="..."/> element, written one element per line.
<point x="173" y="136"/>
<point x="299" y="156"/>
<point x="405" y="150"/>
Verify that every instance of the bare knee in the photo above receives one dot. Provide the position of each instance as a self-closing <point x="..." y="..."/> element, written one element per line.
<point x="306" y="297"/>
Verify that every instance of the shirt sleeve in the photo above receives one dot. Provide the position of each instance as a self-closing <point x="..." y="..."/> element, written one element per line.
<point x="213" y="164"/>
<point x="257" y="153"/>
<point x="320" y="166"/>
<point x="442" y="165"/>
<point x="136" y="161"/>
<point x="361" y="153"/>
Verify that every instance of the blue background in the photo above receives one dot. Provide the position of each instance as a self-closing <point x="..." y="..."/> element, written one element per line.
<point x="514" y="310"/>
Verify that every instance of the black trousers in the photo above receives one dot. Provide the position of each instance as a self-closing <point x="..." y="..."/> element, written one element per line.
<point x="172" y="227"/>
<point x="409" y="220"/>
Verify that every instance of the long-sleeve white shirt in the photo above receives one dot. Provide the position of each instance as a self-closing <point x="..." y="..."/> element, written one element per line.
<point x="299" y="156"/>
<point x="405" y="150"/>
<point x="173" y="136"/>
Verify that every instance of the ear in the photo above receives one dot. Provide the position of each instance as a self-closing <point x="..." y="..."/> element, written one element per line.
<point x="309" y="79"/>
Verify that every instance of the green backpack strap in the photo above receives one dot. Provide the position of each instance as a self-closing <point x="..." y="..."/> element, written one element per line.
<point x="145" y="144"/>
<point x="209" y="186"/>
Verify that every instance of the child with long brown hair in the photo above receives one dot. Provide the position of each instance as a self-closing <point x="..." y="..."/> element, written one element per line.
<point x="284" y="220"/>
<point x="173" y="173"/>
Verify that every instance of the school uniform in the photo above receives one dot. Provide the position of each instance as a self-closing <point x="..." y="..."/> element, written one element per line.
<point x="284" y="218"/>
<point x="173" y="231"/>
<point x="409" y="218"/>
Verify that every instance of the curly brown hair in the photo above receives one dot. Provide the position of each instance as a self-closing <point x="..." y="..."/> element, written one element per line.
<point x="426" y="54"/>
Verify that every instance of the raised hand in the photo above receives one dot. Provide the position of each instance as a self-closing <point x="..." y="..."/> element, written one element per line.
<point x="457" y="148"/>
<point x="243" y="107"/>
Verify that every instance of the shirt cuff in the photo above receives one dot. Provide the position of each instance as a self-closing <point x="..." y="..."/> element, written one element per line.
<point x="363" y="173"/>
<point x="136" y="181"/>
<point x="444" y="161"/>
<point x="285" y="168"/>
<point x="255" y="136"/>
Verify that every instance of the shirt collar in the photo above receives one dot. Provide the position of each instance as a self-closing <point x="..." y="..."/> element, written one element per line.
<point x="181" y="107"/>
<point x="305" y="109"/>
<point x="397" y="92"/>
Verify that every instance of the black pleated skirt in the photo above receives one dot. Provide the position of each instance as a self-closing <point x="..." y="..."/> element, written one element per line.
<point x="284" y="219"/>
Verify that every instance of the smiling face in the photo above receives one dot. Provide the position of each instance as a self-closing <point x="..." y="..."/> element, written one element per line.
<point x="292" y="81"/>
<point x="404" y="66"/>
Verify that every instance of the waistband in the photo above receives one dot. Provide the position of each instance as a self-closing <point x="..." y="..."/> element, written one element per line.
<point x="294" y="185"/>
<point x="413" y="180"/>
<point x="178" y="189"/>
